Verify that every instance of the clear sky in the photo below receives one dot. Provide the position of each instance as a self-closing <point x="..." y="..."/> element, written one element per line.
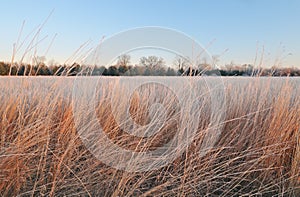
<point x="241" y="26"/>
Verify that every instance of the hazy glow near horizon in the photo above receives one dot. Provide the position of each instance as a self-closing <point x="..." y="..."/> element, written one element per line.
<point x="241" y="26"/>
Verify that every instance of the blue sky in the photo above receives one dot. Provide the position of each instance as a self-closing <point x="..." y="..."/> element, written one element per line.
<point x="241" y="26"/>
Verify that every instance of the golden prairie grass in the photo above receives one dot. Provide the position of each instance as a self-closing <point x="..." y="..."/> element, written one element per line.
<point x="258" y="152"/>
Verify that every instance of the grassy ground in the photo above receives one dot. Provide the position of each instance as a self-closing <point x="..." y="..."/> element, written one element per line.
<point x="258" y="152"/>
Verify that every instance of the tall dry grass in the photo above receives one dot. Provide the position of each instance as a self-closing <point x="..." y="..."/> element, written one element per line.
<point x="258" y="152"/>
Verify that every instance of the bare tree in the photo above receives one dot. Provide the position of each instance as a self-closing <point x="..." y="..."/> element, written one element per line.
<point x="123" y="60"/>
<point x="181" y="63"/>
<point x="152" y="62"/>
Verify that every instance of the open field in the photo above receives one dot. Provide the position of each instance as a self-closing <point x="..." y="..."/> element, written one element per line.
<point x="256" y="152"/>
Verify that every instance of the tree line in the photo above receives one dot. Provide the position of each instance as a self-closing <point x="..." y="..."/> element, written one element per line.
<point x="148" y="66"/>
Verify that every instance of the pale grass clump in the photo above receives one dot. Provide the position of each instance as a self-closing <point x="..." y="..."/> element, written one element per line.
<point x="258" y="152"/>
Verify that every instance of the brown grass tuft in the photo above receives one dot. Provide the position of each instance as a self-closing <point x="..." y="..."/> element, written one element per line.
<point x="258" y="152"/>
